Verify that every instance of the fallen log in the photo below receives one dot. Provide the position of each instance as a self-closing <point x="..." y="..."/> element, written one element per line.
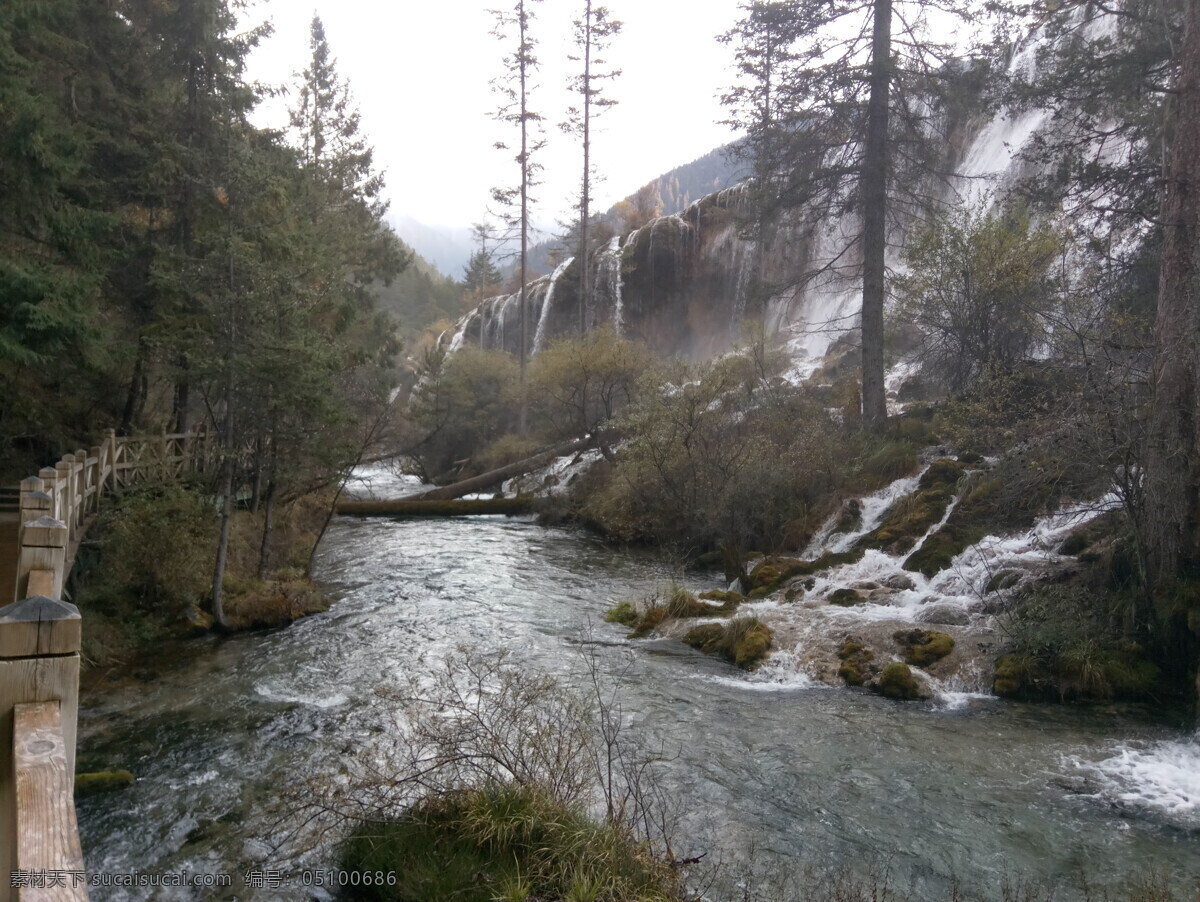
<point x="485" y="481"/>
<point x="432" y="507"/>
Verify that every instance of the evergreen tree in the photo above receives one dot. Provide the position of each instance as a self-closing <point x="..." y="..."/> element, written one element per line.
<point x="515" y="89"/>
<point x="843" y="105"/>
<point x="593" y="32"/>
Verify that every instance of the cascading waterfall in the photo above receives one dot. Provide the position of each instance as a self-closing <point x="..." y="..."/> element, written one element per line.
<point x="539" y="337"/>
<point x="608" y="279"/>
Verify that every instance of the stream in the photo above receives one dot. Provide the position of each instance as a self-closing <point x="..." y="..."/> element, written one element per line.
<point x="770" y="766"/>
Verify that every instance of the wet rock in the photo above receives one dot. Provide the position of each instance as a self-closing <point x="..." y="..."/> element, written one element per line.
<point x="857" y="665"/>
<point x="900" y="582"/>
<point x="846" y="598"/>
<point x="923" y="647"/>
<point x="897" y="681"/>
<point x="946" y="614"/>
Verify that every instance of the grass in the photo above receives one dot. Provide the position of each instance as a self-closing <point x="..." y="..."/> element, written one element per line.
<point x="502" y="842"/>
<point x="743" y="641"/>
<point x="672" y="603"/>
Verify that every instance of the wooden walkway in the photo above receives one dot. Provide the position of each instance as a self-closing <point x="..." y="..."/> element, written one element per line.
<point x="41" y="525"/>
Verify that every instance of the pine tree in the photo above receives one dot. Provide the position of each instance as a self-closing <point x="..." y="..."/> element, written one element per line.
<point x="842" y="106"/>
<point x="1173" y="465"/>
<point x="593" y="32"/>
<point x="515" y="89"/>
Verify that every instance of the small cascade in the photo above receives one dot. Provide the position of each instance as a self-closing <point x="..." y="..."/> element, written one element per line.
<point x="608" y="279"/>
<point x="811" y="627"/>
<point x="539" y="337"/>
<point x="460" y="333"/>
<point x="1157" y="778"/>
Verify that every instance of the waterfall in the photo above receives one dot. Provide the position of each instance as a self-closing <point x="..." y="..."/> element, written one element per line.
<point x="539" y="337"/>
<point x="608" y="278"/>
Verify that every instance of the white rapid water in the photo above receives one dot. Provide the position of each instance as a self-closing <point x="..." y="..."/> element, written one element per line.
<point x="1159" y="778"/>
<point x="809" y="628"/>
<point x="539" y="337"/>
<point x="608" y="279"/>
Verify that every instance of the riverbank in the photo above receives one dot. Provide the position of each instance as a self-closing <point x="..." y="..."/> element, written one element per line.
<point x="143" y="576"/>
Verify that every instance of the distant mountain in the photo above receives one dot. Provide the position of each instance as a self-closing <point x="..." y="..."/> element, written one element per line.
<point x="672" y="192"/>
<point x="686" y="184"/>
<point x="446" y="248"/>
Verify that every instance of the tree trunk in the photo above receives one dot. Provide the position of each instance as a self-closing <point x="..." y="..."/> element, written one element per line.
<point x="587" y="186"/>
<point x="218" y="603"/>
<point x="523" y="413"/>
<point x="874" y="207"/>
<point x="1173" y="456"/>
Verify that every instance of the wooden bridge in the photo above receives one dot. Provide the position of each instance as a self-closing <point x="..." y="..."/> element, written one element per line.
<point x="40" y="855"/>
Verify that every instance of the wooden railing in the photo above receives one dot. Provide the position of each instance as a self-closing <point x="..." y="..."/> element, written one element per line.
<point x="40" y="855"/>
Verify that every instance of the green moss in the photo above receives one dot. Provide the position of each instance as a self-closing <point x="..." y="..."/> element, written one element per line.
<point x="856" y="660"/>
<point x="898" y="682"/>
<point x="907" y="520"/>
<point x="891" y="461"/>
<point x="502" y="842"/>
<point x="623" y="612"/>
<point x="942" y="473"/>
<point x="676" y="603"/>
<point x="101" y="781"/>
<point x="781" y="573"/>
<point x="771" y="571"/>
<point x="923" y="647"/>
<point x="728" y="598"/>
<point x="1012" y="672"/>
<point x="743" y="641"/>
<point x="1003" y="579"/>
<point x="845" y="598"/>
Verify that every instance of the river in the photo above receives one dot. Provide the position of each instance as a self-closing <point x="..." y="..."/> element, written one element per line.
<point x="977" y="790"/>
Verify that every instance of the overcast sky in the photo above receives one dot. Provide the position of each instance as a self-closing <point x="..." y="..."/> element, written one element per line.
<point x="420" y="72"/>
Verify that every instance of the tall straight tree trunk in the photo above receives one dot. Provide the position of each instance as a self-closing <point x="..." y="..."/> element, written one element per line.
<point x="1173" y="456"/>
<point x="523" y="414"/>
<point x="874" y="206"/>
<point x="585" y="194"/>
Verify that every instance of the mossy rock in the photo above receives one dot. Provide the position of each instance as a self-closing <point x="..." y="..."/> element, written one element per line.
<point x="856" y="661"/>
<point x="923" y="647"/>
<point x="849" y="517"/>
<point x="744" y="641"/>
<point x="771" y="571"/>
<point x="101" y="781"/>
<point x="1012" y="674"/>
<point x="729" y="599"/>
<point x="1003" y="579"/>
<point x="796" y="568"/>
<point x="897" y="681"/>
<point x="676" y="604"/>
<point x="623" y="613"/>
<point x="942" y="473"/>
<point x="845" y="598"/>
<point x="705" y="636"/>
<point x="907" y="520"/>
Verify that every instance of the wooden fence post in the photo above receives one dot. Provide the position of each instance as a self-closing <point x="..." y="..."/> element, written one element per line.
<point x="81" y="487"/>
<point x="110" y="441"/>
<point x="66" y="489"/>
<point x="43" y="557"/>
<point x="96" y="475"/>
<point x="39" y="662"/>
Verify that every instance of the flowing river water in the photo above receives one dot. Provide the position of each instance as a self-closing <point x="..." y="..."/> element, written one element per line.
<point x="769" y="765"/>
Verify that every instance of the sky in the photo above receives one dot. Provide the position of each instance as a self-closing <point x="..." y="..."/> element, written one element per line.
<point x="419" y="71"/>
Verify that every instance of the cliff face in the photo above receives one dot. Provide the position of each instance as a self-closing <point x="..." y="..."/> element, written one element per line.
<point x="680" y="283"/>
<point x="685" y="283"/>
